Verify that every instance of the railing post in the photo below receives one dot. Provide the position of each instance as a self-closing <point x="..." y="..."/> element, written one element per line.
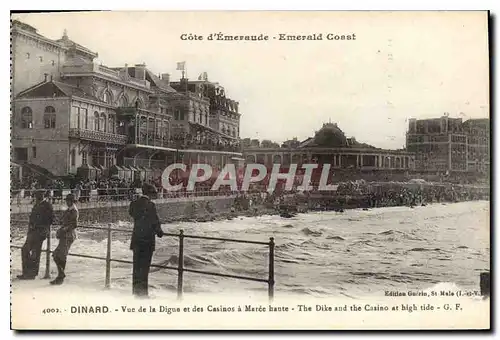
<point x="47" y="257"/>
<point x="180" y="267"/>
<point x="270" y="287"/>
<point x="108" y="259"/>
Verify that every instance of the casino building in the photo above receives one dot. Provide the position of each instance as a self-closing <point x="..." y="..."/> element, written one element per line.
<point x="347" y="157"/>
<point x="75" y="116"/>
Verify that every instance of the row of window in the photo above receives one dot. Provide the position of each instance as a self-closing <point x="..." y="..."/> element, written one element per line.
<point x="229" y="131"/>
<point x="99" y="120"/>
<point x="98" y="158"/>
<point x="52" y="62"/>
<point x="49" y="118"/>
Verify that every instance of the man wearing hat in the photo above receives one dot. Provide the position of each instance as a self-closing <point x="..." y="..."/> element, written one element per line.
<point x="66" y="235"/>
<point x="41" y="218"/>
<point x="146" y="226"/>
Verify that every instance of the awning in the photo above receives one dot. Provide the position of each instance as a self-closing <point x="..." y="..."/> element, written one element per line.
<point x="87" y="167"/>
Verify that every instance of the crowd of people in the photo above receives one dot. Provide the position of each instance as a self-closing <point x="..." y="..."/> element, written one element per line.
<point x="367" y="193"/>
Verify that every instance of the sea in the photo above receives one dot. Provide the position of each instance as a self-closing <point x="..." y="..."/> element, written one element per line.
<point x="357" y="253"/>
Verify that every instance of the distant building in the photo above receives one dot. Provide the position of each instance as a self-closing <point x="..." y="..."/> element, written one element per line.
<point x="331" y="146"/>
<point x="224" y="115"/>
<point x="448" y="145"/>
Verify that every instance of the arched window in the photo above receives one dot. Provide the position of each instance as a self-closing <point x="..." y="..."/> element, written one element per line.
<point x="111" y="123"/>
<point x="26" y="118"/>
<point x="96" y="121"/>
<point x="102" y="122"/>
<point x="49" y="118"/>
<point x="123" y="102"/>
<point x="107" y="97"/>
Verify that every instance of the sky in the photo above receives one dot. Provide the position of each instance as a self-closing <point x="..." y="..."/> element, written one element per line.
<point x="401" y="65"/>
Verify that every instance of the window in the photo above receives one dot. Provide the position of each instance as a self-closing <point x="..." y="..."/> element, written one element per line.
<point x="107" y="97"/>
<point x="26" y="118"/>
<point x="96" y="121"/>
<point x="102" y="122"/>
<point x="21" y="154"/>
<point x="85" y="115"/>
<point x="53" y="62"/>
<point x="41" y="59"/>
<point x="111" y="123"/>
<point x="73" y="157"/>
<point x="27" y="55"/>
<point x="49" y="118"/>
<point x="84" y="157"/>
<point x="75" y="119"/>
<point x="33" y="151"/>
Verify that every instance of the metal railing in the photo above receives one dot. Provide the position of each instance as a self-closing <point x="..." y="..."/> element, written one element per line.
<point x="180" y="265"/>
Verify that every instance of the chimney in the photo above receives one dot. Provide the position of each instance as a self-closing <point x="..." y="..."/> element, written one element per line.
<point x="166" y="77"/>
<point x="140" y="71"/>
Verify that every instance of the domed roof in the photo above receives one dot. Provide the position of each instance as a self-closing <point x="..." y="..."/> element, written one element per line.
<point x="330" y="135"/>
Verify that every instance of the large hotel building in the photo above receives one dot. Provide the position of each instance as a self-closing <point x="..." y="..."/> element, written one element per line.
<point x="450" y="145"/>
<point x="74" y="116"/>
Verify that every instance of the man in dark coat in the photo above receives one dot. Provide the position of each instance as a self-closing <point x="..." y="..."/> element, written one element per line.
<point x="41" y="218"/>
<point x="66" y="235"/>
<point x="146" y="226"/>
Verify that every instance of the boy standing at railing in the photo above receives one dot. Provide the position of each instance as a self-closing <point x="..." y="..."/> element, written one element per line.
<point x="66" y="235"/>
<point x="146" y="226"/>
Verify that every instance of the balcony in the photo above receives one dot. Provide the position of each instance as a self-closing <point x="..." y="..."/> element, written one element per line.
<point x="98" y="136"/>
<point x="77" y="69"/>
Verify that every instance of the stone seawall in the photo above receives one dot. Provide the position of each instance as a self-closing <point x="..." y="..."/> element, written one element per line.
<point x="168" y="210"/>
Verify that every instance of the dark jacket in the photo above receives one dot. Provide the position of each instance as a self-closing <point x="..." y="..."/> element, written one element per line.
<point x="41" y="218"/>
<point x="69" y="222"/>
<point x="146" y="224"/>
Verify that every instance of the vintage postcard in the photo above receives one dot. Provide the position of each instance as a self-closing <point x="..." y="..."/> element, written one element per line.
<point x="250" y="170"/>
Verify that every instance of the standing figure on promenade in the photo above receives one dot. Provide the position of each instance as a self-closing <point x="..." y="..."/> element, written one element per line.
<point x="146" y="226"/>
<point x="41" y="218"/>
<point x="66" y="235"/>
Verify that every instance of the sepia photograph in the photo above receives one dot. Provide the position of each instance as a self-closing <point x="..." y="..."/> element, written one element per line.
<point x="250" y="170"/>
